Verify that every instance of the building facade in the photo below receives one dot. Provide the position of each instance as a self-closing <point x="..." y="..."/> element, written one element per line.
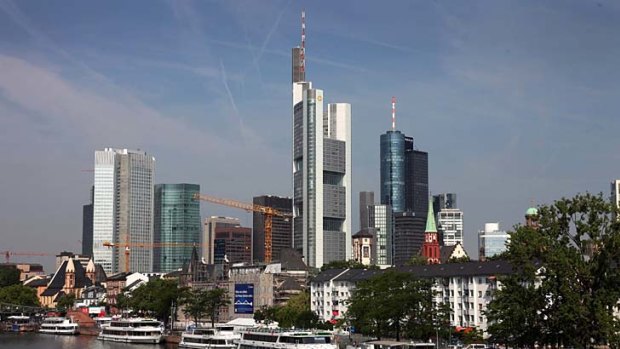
<point x="381" y="222"/>
<point x="367" y="198"/>
<point x="365" y="247"/>
<point x="321" y="176"/>
<point x="451" y="226"/>
<point x="123" y="208"/>
<point x="408" y="236"/>
<point x="443" y="201"/>
<point x="492" y="241"/>
<point x="208" y="237"/>
<point x="615" y="192"/>
<point x="467" y="288"/>
<point x="281" y="230"/>
<point x="233" y="244"/>
<point x="177" y="221"/>
<point x="416" y="178"/>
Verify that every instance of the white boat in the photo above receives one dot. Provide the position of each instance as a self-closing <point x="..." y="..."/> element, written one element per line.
<point x="102" y="321"/>
<point x="19" y="323"/>
<point x="260" y="338"/>
<point x="132" y="330"/>
<point x="220" y="337"/>
<point x="58" y="325"/>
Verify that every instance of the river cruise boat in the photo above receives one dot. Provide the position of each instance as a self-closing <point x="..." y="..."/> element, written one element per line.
<point x="103" y="321"/>
<point x="19" y="323"/>
<point x="58" y="325"/>
<point x="263" y="338"/>
<point x="220" y="337"/>
<point x="383" y="344"/>
<point x="132" y="330"/>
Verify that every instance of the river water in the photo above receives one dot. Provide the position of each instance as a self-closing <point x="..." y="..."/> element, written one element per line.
<point x="48" y="341"/>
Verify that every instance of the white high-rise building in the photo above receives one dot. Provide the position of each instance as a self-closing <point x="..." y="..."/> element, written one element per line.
<point x="451" y="226"/>
<point x="381" y="221"/>
<point x="123" y="209"/>
<point x="615" y="192"/>
<point x="492" y="241"/>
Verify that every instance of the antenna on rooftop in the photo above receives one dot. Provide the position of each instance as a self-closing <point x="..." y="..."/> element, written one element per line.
<point x="393" y="113"/>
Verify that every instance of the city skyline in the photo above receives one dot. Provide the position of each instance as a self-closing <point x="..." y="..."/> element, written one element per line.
<point x="500" y="108"/>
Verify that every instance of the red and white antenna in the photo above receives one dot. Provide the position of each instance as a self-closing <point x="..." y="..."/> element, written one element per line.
<point x="393" y="113"/>
<point x="302" y="52"/>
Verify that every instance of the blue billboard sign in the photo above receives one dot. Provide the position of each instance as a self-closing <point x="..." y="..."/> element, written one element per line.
<point x="244" y="298"/>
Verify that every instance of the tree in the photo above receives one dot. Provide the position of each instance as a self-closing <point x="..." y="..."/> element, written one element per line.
<point x="19" y="295"/>
<point x="156" y="298"/>
<point x="215" y="299"/>
<point x="417" y="260"/>
<point x="266" y="315"/>
<point x="195" y="302"/>
<point x="9" y="276"/>
<point x="350" y="264"/>
<point x="65" y="302"/>
<point x="565" y="283"/>
<point x="392" y="304"/>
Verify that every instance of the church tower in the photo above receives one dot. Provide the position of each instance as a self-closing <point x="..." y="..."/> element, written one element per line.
<point x="430" y="249"/>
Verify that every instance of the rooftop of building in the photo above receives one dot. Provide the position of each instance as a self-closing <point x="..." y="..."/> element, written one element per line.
<point x="532" y="211"/>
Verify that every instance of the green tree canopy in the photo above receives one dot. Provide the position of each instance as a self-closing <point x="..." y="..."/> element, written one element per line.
<point x="566" y="281"/>
<point x="156" y="298"/>
<point x="9" y="276"/>
<point x="65" y="302"/>
<point x="395" y="303"/>
<point x="19" y="295"/>
<point x="350" y="264"/>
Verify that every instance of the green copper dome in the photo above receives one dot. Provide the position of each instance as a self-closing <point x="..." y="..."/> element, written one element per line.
<point x="532" y="211"/>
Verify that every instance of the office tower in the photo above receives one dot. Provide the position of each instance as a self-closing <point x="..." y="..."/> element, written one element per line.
<point x="416" y="179"/>
<point x="367" y="198"/>
<point x="392" y="154"/>
<point x="87" y="225"/>
<point x="281" y="228"/>
<point x="208" y="238"/>
<point x="451" y="226"/>
<point x="381" y="222"/>
<point x="321" y="171"/>
<point x="615" y="192"/>
<point x="408" y="236"/>
<point x="492" y="241"/>
<point x="431" y="249"/>
<point x="176" y="221"/>
<point x="233" y="244"/>
<point x="443" y="201"/>
<point x="123" y="208"/>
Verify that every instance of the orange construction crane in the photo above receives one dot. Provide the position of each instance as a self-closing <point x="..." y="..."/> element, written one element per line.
<point x="266" y="211"/>
<point x="127" y="246"/>
<point x="8" y="254"/>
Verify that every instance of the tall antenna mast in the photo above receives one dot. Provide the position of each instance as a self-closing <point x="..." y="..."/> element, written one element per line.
<point x="393" y="113"/>
<point x="302" y="52"/>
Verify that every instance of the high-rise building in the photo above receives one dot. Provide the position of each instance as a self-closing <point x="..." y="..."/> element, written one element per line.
<point x="123" y="208"/>
<point x="492" y="241"/>
<point x="615" y="192"/>
<point x="451" y="226"/>
<point x="443" y="201"/>
<point x="392" y="166"/>
<point x="233" y="245"/>
<point x="381" y="222"/>
<point x="367" y="198"/>
<point x="176" y="221"/>
<point x="281" y="228"/>
<point x="321" y="171"/>
<point x="87" y="226"/>
<point x="208" y="238"/>
<point x="416" y="179"/>
<point x="408" y="236"/>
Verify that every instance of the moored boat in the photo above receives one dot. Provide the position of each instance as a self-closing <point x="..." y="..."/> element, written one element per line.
<point x="58" y="325"/>
<point x="266" y="338"/>
<point x="19" y="323"/>
<point x="220" y="337"/>
<point x="132" y="330"/>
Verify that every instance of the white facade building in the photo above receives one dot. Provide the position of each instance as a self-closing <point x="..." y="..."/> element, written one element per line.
<point x="380" y="219"/>
<point x="492" y="241"/>
<point x="123" y="208"/>
<point x="450" y="222"/>
<point x="615" y="192"/>
<point x="466" y="287"/>
<point x="321" y="176"/>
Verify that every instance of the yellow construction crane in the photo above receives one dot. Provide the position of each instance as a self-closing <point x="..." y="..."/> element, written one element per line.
<point x="128" y="245"/>
<point x="266" y="211"/>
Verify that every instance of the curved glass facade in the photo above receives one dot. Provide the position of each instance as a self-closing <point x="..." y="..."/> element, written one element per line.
<point x="392" y="155"/>
<point x="177" y="220"/>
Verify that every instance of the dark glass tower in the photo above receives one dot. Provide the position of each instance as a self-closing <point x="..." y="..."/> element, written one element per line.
<point x="392" y="157"/>
<point x="281" y="232"/>
<point x="416" y="179"/>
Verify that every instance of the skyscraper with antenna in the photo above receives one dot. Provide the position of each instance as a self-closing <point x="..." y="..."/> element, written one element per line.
<point x="321" y="168"/>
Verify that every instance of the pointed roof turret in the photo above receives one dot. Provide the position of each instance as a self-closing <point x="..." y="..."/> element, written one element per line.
<point x="70" y="266"/>
<point x="90" y="268"/>
<point x="430" y="219"/>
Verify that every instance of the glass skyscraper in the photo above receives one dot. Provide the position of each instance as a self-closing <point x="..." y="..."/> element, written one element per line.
<point x="392" y="154"/>
<point x="177" y="221"/>
<point x="492" y="241"/>
<point x="380" y="219"/>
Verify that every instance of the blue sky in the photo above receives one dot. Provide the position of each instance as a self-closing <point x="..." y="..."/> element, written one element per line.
<point x="515" y="101"/>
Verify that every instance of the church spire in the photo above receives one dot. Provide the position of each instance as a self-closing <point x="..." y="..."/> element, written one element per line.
<point x="430" y="219"/>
